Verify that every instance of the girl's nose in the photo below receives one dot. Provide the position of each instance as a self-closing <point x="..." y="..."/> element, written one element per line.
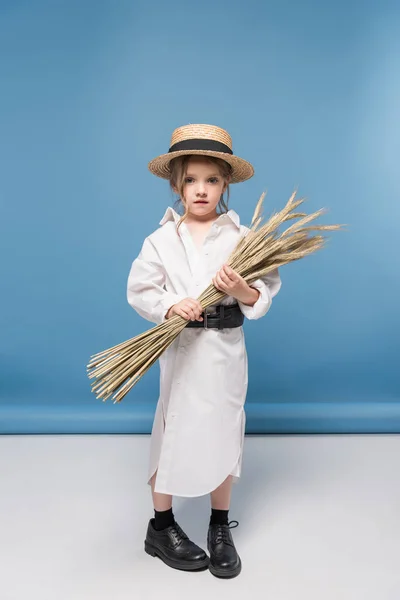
<point x="201" y="190"/>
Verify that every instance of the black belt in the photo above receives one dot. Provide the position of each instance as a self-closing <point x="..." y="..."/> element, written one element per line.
<point x="225" y="316"/>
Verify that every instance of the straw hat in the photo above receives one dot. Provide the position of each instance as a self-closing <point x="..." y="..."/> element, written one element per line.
<point x="205" y="140"/>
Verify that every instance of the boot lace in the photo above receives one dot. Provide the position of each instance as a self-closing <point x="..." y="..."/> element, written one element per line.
<point x="177" y="535"/>
<point x="223" y="534"/>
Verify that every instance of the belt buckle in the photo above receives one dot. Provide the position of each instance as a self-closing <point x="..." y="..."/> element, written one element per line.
<point x="206" y="315"/>
<point x="214" y="314"/>
<point x="205" y="318"/>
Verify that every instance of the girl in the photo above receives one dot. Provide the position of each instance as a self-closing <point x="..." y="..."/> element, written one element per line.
<point x="198" y="431"/>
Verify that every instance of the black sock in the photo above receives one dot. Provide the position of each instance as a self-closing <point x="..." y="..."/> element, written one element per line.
<point x="163" y="519"/>
<point x="219" y="517"/>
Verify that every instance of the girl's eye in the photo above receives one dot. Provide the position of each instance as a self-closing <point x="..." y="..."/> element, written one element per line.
<point x="213" y="180"/>
<point x="189" y="180"/>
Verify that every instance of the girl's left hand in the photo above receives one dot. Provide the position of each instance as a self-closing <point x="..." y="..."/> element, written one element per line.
<point x="232" y="284"/>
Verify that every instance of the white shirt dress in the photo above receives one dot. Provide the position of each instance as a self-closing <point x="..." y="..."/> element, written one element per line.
<point x="198" y="430"/>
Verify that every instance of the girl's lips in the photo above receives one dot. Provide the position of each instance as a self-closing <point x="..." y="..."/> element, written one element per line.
<point x="201" y="202"/>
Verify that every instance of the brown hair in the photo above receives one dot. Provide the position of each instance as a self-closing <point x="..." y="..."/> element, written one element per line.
<point x="178" y="168"/>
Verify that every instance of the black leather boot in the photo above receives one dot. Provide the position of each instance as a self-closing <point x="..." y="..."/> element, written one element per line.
<point x="173" y="546"/>
<point x="224" y="560"/>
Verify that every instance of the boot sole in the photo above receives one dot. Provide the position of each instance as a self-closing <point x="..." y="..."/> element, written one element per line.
<point x="176" y="564"/>
<point x="223" y="573"/>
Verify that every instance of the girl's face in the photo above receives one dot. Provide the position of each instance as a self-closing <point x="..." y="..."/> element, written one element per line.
<point x="203" y="187"/>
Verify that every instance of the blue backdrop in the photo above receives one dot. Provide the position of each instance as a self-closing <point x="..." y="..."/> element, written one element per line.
<point x="91" y="91"/>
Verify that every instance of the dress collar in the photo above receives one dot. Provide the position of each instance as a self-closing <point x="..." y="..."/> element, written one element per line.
<point x="230" y="216"/>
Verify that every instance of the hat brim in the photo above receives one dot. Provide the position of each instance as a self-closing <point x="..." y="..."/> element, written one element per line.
<point x="241" y="169"/>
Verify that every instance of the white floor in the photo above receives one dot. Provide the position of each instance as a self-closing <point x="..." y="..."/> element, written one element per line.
<point x="319" y="520"/>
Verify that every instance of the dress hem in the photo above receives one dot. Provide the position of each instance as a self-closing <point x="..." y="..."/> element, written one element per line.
<point x="235" y="478"/>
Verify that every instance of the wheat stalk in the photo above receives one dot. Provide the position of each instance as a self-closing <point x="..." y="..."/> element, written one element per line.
<point x="262" y="250"/>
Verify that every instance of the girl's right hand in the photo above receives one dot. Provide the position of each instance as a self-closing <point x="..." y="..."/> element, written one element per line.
<point x="189" y="308"/>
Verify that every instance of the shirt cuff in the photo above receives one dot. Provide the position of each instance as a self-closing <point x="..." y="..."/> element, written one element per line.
<point x="262" y="305"/>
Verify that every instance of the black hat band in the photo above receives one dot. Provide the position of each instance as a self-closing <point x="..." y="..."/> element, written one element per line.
<point x="201" y="144"/>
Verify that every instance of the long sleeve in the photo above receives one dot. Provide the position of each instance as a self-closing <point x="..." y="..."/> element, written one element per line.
<point x="268" y="287"/>
<point x="145" y="290"/>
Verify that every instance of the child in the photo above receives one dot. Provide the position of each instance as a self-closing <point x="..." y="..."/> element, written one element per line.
<point x="198" y="431"/>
